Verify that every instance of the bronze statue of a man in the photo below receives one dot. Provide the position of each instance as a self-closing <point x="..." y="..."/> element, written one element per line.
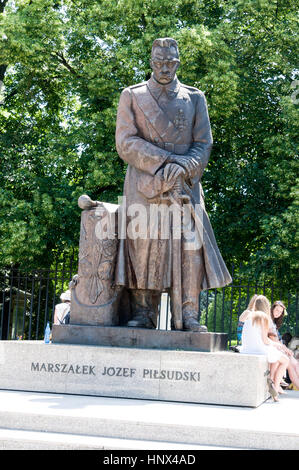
<point x="163" y="133"/>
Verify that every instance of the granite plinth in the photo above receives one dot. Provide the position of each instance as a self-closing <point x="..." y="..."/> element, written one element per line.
<point x="139" y="338"/>
<point x="221" y="378"/>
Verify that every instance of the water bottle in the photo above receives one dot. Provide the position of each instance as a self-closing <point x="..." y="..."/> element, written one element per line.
<point x="47" y="333"/>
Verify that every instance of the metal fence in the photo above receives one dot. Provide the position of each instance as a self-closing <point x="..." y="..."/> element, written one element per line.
<point x="28" y="299"/>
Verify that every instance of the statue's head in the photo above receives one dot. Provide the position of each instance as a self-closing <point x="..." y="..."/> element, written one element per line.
<point x="164" y="60"/>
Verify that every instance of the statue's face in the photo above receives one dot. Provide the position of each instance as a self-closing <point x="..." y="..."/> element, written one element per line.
<point x="164" y="64"/>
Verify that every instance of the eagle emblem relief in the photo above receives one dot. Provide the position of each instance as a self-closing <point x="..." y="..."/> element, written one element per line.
<point x="180" y="120"/>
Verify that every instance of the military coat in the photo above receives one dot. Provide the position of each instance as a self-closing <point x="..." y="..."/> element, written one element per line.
<point x="155" y="121"/>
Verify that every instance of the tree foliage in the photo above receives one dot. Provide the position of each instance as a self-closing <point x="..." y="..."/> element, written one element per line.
<point x="64" y="64"/>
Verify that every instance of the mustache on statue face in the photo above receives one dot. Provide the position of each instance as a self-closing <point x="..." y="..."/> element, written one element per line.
<point x="165" y="75"/>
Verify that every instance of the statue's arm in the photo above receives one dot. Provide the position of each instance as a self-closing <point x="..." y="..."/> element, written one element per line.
<point x="197" y="157"/>
<point x="130" y="146"/>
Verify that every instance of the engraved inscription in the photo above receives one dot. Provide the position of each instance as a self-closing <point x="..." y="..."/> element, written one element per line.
<point x="62" y="368"/>
<point x="113" y="371"/>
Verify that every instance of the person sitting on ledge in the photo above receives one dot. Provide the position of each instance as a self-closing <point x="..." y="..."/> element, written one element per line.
<point x="62" y="310"/>
<point x="278" y="312"/>
<point x="244" y="316"/>
<point x="255" y="340"/>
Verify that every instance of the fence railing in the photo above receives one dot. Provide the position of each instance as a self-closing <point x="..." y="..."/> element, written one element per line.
<point x="28" y="299"/>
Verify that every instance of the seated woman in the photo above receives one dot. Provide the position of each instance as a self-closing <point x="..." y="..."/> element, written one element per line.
<point x="255" y="340"/>
<point x="257" y="302"/>
<point x="244" y="316"/>
<point x="278" y="312"/>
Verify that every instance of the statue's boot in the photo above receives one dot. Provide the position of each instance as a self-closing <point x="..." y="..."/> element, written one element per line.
<point x="190" y="314"/>
<point x="144" y="305"/>
<point x="193" y="271"/>
<point x="190" y="322"/>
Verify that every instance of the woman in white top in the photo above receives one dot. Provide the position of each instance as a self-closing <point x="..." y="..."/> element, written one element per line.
<point x="61" y="310"/>
<point x="255" y="340"/>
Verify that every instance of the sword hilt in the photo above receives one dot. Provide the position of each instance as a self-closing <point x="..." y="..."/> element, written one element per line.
<point x="177" y="189"/>
<point x="178" y="186"/>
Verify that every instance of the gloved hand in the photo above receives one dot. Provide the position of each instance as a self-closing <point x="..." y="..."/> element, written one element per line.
<point x="170" y="174"/>
<point x="190" y="164"/>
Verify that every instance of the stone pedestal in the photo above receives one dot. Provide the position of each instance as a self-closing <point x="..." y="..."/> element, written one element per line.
<point x="139" y="338"/>
<point x="220" y="378"/>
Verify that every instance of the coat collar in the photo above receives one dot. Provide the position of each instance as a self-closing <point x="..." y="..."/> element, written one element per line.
<point x="171" y="89"/>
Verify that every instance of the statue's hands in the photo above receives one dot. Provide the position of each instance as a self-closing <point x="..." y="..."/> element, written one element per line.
<point x="190" y="164"/>
<point x="170" y="174"/>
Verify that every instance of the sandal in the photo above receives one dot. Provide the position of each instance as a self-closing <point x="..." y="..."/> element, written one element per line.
<point x="272" y="390"/>
<point x="283" y="383"/>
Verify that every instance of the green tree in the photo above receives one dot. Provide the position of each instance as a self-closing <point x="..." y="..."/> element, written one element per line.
<point x="64" y="66"/>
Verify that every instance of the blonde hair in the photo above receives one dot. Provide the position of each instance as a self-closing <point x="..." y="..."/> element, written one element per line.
<point x="262" y="304"/>
<point x="261" y="319"/>
<point x="252" y="302"/>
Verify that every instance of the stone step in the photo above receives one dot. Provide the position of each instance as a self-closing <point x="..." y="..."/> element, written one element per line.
<point x="158" y="422"/>
<point x="13" y="439"/>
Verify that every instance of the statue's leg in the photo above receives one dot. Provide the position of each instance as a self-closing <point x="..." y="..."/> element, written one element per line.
<point x="192" y="275"/>
<point x="144" y="306"/>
